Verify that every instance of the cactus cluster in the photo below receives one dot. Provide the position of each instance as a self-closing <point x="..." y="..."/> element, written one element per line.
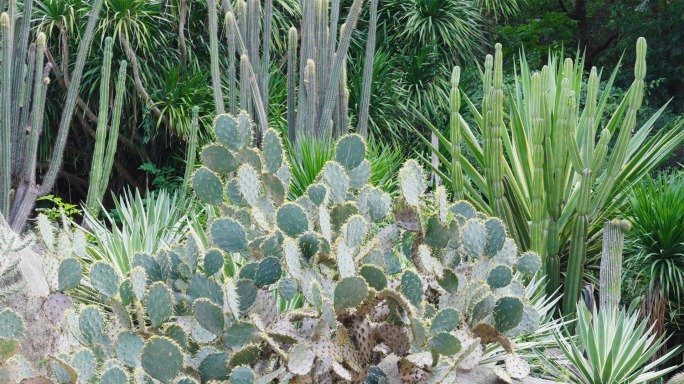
<point x="188" y="315"/>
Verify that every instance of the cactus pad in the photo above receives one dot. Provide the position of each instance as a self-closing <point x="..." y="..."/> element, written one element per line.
<point x="292" y="220"/>
<point x="350" y="292"/>
<point x="128" y="347"/>
<point x="500" y="276"/>
<point x="234" y="194"/>
<point x="46" y="231"/>
<point x="248" y="182"/>
<point x="269" y="272"/>
<point x="247" y="293"/>
<point x="350" y="151"/>
<point x="448" y="281"/>
<point x="273" y="151"/>
<point x="84" y="363"/>
<point x="213" y="261"/>
<point x="208" y="186"/>
<point x="446" y="320"/>
<point x="218" y="159"/>
<point x="412" y="287"/>
<point x="159" y="304"/>
<point x="437" y="233"/>
<point x="201" y="286"/>
<point x="496" y="236"/>
<point x="335" y="178"/>
<point x="228" y="235"/>
<point x="508" y="312"/>
<point x="474" y="238"/>
<point x="69" y="274"/>
<point x="528" y="264"/>
<point x="359" y="176"/>
<point x="242" y="375"/>
<point x="214" y="367"/>
<point x="287" y="289"/>
<point x="105" y="279"/>
<point x="301" y="359"/>
<point x="378" y="204"/>
<point x="275" y="188"/>
<point x="317" y="193"/>
<point x="517" y="367"/>
<point x="374" y="276"/>
<point x="445" y="344"/>
<point x="149" y="265"/>
<point x="92" y="325"/>
<point x="234" y="133"/>
<point x="209" y="316"/>
<point x="114" y="375"/>
<point x="161" y="359"/>
<point x="412" y="182"/>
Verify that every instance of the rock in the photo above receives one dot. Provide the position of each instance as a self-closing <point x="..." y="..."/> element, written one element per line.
<point x="485" y="375"/>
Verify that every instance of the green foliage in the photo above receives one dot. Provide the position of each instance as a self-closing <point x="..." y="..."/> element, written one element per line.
<point x="656" y="240"/>
<point x="628" y="348"/>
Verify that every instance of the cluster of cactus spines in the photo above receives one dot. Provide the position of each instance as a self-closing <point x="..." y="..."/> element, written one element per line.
<point x="102" y="162"/>
<point x="611" y="262"/>
<point x="22" y="122"/>
<point x="179" y="316"/>
<point x="455" y="130"/>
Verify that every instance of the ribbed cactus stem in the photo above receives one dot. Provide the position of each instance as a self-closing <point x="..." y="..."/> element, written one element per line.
<point x="266" y="56"/>
<point x="6" y="171"/>
<point x="213" y="48"/>
<point x="537" y="192"/>
<point x="487" y="117"/>
<point x="307" y="28"/>
<point x="331" y="93"/>
<point x="291" y="84"/>
<point x="455" y="127"/>
<point x="332" y="30"/>
<point x="114" y="127"/>
<point x="600" y="152"/>
<point x="37" y="111"/>
<point x="368" y="60"/>
<point x="26" y="102"/>
<point x="244" y="83"/>
<point x="611" y="262"/>
<point x="311" y="97"/>
<point x="254" y="10"/>
<point x="343" y="127"/>
<point x="93" y="198"/>
<point x="242" y="21"/>
<point x="192" y="148"/>
<point x="18" y="85"/>
<point x="321" y="43"/>
<point x="232" y="80"/>
<point x="619" y="154"/>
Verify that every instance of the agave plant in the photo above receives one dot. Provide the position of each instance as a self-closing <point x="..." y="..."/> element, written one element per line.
<point x="614" y="348"/>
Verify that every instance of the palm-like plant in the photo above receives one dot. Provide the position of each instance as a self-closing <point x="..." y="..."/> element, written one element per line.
<point x="453" y="24"/>
<point x="51" y="14"/>
<point x="135" y="20"/>
<point x="656" y="245"/>
<point x="613" y="347"/>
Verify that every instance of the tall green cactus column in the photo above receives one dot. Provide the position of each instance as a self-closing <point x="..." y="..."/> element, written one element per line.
<point x="6" y="133"/>
<point x="611" y="262"/>
<point x="213" y="45"/>
<point x="455" y="127"/>
<point x="499" y="204"/>
<point x="103" y="160"/>
<point x="537" y="229"/>
<point x="191" y="156"/>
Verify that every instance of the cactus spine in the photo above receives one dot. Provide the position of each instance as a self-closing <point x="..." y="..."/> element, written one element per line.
<point x="611" y="262"/>
<point x="103" y="160"/>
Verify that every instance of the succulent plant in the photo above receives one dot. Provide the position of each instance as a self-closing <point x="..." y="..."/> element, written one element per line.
<point x="177" y="316"/>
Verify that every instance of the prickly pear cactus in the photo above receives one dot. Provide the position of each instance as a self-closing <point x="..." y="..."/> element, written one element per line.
<point x="189" y="315"/>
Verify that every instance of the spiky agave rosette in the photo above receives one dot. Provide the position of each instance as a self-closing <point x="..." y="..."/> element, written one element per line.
<point x="177" y="314"/>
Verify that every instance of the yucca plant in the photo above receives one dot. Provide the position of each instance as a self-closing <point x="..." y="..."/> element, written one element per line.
<point x="613" y="347"/>
<point x="550" y="179"/>
<point x="147" y="224"/>
<point x="656" y="246"/>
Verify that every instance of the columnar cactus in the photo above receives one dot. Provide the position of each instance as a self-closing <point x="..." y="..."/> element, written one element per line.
<point x="102" y="163"/>
<point x="455" y="130"/>
<point x="22" y="123"/>
<point x="611" y="262"/>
